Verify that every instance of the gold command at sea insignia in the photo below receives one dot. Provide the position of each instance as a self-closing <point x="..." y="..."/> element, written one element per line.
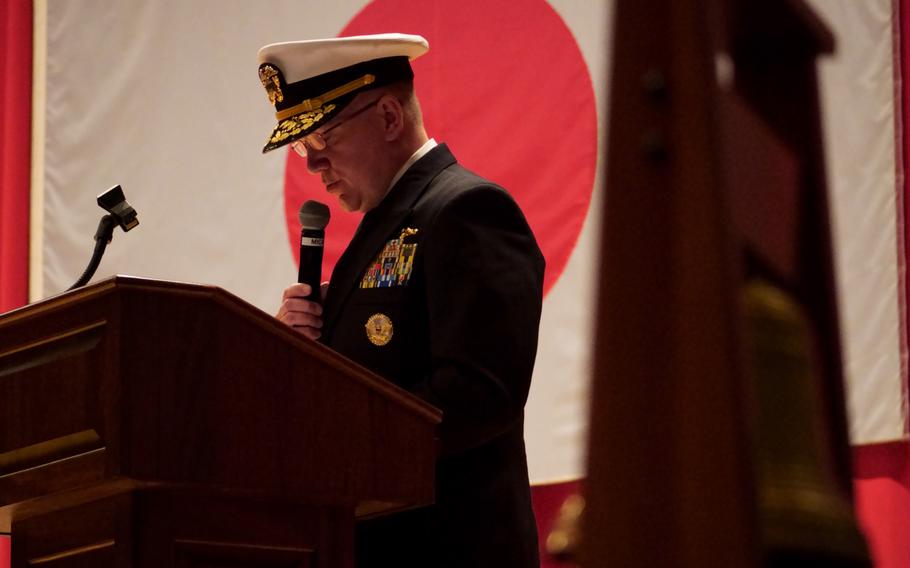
<point x="379" y="329"/>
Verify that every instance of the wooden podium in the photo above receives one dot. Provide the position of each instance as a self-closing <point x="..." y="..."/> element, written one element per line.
<point x="147" y="423"/>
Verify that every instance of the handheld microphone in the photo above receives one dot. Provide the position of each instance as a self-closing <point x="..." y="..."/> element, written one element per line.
<point x="313" y="216"/>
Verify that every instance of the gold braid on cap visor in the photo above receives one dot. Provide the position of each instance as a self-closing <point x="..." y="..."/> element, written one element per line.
<point x="316" y="103"/>
<point x="300" y="117"/>
<point x="297" y="124"/>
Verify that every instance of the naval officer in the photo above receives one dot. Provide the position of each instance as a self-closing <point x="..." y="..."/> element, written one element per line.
<point x="439" y="291"/>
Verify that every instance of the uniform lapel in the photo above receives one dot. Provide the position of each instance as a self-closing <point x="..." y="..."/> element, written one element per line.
<point x="377" y="227"/>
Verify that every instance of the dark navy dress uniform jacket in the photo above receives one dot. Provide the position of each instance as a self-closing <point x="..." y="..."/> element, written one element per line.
<point x="464" y="338"/>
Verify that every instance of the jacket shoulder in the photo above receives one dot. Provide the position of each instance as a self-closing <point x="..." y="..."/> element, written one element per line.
<point x="458" y="184"/>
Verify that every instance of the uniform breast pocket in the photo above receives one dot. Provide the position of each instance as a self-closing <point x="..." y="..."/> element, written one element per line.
<point x="373" y="326"/>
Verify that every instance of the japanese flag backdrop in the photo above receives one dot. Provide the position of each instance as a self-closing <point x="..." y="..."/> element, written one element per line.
<point x="163" y="98"/>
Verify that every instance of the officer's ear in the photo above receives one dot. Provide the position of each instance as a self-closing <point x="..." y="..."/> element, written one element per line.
<point x="393" y="116"/>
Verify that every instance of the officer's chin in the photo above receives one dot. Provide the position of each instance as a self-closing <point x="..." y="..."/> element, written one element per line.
<point x="346" y="204"/>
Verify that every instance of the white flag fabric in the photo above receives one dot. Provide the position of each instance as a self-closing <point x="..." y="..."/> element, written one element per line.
<point x="861" y="105"/>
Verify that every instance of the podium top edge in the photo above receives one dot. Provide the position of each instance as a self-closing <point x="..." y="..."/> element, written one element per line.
<point x="227" y="300"/>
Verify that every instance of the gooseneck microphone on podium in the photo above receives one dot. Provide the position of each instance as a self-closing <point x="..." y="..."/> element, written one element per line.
<point x="313" y="216"/>
<point x="119" y="213"/>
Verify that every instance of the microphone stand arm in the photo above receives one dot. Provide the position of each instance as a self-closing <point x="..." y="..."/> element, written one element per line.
<point x="103" y="235"/>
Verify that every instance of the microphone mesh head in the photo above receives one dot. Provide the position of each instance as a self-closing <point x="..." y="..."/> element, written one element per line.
<point x="314" y="215"/>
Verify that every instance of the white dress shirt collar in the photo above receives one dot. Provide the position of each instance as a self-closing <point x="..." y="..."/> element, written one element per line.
<point x="420" y="153"/>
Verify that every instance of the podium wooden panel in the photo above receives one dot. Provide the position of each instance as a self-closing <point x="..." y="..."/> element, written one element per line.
<point x="148" y="423"/>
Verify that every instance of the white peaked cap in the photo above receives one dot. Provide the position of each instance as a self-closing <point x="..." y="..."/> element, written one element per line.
<point x="311" y="81"/>
<point x="300" y="60"/>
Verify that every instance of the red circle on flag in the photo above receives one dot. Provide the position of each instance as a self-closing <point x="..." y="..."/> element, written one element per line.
<point x="505" y="86"/>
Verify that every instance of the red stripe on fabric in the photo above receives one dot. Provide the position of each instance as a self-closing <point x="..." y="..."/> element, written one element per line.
<point x="15" y="150"/>
<point x="15" y="162"/>
<point x="882" y="494"/>
<point x="882" y="460"/>
<point x="547" y="500"/>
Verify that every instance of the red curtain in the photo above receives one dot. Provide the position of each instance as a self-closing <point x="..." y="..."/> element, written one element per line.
<point x="15" y="149"/>
<point x="15" y="161"/>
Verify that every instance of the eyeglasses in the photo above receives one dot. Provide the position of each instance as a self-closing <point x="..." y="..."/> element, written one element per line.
<point x="316" y="140"/>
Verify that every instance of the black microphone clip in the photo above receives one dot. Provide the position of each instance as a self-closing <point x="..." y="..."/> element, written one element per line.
<point x="115" y="203"/>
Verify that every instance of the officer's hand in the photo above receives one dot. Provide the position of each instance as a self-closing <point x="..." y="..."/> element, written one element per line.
<point x="300" y="313"/>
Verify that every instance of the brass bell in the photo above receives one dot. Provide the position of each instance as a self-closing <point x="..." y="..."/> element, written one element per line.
<point x="805" y="520"/>
<point x="564" y="539"/>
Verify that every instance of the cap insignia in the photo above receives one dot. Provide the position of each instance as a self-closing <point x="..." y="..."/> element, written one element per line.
<point x="270" y="78"/>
